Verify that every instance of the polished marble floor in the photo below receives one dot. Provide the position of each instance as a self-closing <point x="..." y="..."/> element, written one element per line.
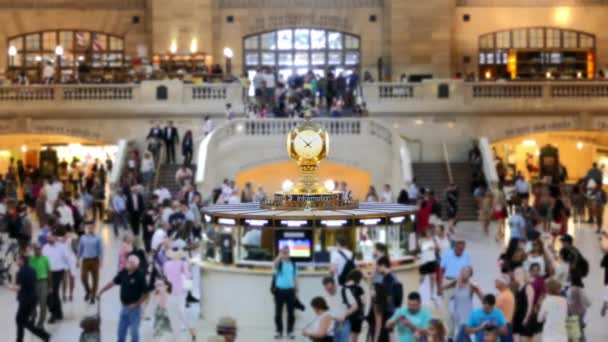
<point x="484" y="252"/>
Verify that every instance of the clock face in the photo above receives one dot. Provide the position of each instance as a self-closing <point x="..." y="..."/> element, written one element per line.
<point x="308" y="144"/>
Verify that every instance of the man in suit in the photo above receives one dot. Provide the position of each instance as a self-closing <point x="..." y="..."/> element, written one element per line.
<point x="135" y="209"/>
<point x="155" y="138"/>
<point x="171" y="138"/>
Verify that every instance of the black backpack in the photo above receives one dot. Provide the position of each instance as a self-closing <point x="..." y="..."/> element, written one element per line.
<point x="394" y="290"/>
<point x="348" y="267"/>
<point x="357" y="293"/>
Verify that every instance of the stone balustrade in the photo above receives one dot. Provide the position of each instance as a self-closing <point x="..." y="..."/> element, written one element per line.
<point x="428" y="97"/>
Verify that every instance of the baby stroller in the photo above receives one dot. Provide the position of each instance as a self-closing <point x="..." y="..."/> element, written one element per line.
<point x="91" y="327"/>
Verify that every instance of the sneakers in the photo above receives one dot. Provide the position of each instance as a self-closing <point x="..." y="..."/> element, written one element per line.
<point x="291" y="336"/>
<point x="604" y="309"/>
<point x="278" y="336"/>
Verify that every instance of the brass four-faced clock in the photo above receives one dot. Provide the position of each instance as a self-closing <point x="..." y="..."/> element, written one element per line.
<point x="308" y="144"/>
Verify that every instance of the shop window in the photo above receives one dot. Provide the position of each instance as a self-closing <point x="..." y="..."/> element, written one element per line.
<point x="519" y="38"/>
<point x="32" y="42"/>
<point x="487" y="41"/>
<point x="503" y="40"/>
<point x="49" y="41"/>
<point x="536" y="38"/>
<point x="553" y="38"/>
<point x="586" y="41"/>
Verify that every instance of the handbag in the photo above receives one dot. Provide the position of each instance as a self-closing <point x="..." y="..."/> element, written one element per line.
<point x="573" y="327"/>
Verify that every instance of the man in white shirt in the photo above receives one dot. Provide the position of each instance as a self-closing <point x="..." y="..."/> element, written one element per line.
<point x="339" y="257"/>
<point x="52" y="189"/>
<point x="66" y="216"/>
<point x="412" y="191"/>
<point x="159" y="237"/>
<point x="163" y="194"/>
<point x="59" y="262"/>
<point x="48" y="73"/>
<point x="338" y="309"/>
<point x="387" y="194"/>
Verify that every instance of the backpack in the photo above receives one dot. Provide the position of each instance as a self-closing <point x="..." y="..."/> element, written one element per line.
<point x="357" y="293"/>
<point x="348" y="267"/>
<point x="582" y="265"/>
<point x="394" y="290"/>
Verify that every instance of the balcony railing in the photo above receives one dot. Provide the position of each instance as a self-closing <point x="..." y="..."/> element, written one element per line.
<point x="431" y="96"/>
<point x="73" y="4"/>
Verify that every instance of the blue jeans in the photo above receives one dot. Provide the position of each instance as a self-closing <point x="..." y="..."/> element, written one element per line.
<point x="119" y="218"/>
<point x="129" y="320"/>
<point x="342" y="332"/>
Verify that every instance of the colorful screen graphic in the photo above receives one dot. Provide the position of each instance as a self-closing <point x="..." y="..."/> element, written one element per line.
<point x="298" y="248"/>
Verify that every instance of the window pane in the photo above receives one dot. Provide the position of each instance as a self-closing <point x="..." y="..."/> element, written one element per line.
<point x="487" y="41"/>
<point x="482" y="58"/>
<point x="17" y="43"/>
<point x="114" y="60"/>
<point x="569" y="39"/>
<point x="318" y="39"/>
<point x="351" y="58"/>
<point x="586" y="41"/>
<point x="268" y="58"/>
<point x="301" y="59"/>
<point x="318" y="58"/>
<point x="489" y="58"/>
<point x="252" y="58"/>
<point x="269" y="41"/>
<point x="301" y="40"/>
<point x="334" y="58"/>
<point x="285" y="40"/>
<point x="556" y="58"/>
<point x="334" y="40"/>
<point x="536" y="38"/>
<point x="97" y="61"/>
<point x="66" y="39"/>
<point x="519" y="38"/>
<point x="32" y="42"/>
<point x="553" y="38"/>
<point x="351" y="42"/>
<point x="116" y="43"/>
<point x="49" y="41"/>
<point x="503" y="39"/>
<point x="286" y="58"/>
<point x="100" y="42"/>
<point x="252" y="42"/>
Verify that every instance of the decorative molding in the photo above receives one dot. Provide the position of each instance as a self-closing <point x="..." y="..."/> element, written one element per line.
<point x="73" y="4"/>
<point x="316" y="4"/>
<point x="268" y="23"/>
<point x="529" y="3"/>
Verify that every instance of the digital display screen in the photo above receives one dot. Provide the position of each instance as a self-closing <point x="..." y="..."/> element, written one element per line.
<point x="299" y="242"/>
<point x="298" y="248"/>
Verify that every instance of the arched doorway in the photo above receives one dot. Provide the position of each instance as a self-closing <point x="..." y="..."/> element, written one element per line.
<point x="299" y="50"/>
<point x="577" y="151"/>
<point x="31" y="148"/>
<point x="271" y="176"/>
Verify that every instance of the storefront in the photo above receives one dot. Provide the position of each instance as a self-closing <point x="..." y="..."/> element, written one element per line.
<point x="537" y="53"/>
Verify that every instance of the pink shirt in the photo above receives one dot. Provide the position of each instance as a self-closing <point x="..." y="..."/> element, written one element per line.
<point x="175" y="271"/>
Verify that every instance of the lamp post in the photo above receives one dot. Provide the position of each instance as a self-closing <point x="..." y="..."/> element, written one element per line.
<point x="228" y="53"/>
<point x="59" y="54"/>
<point x="12" y="52"/>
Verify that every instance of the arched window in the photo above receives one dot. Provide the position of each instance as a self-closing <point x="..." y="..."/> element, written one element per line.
<point x="96" y="49"/>
<point x="537" y="52"/>
<point x="298" y="50"/>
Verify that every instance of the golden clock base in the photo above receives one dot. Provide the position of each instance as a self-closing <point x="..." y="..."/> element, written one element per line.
<point x="294" y="201"/>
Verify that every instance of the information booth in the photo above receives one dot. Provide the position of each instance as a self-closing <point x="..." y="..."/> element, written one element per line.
<point x="308" y="217"/>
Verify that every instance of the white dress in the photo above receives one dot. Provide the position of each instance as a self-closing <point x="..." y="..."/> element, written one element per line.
<point x="554" y="311"/>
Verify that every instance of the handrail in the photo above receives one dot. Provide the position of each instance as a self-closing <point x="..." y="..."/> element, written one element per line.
<point x="119" y="163"/>
<point x="161" y="155"/>
<point x="446" y="157"/>
<point x="487" y="159"/>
